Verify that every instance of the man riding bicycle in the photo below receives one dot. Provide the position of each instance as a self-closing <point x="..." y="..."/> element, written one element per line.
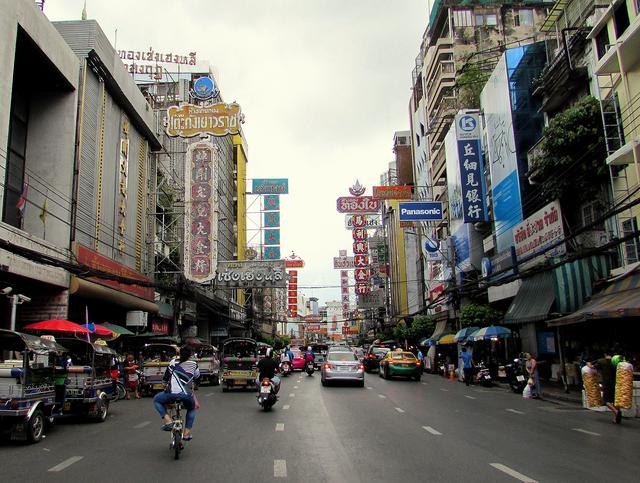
<point x="180" y="378"/>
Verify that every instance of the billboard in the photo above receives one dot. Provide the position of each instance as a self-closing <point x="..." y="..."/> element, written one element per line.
<point x="358" y="204"/>
<point x="420" y="210"/>
<point x="200" y="228"/>
<point x="393" y="192"/>
<point x="503" y="162"/>
<point x="254" y="273"/>
<point x="474" y="208"/>
<point x="270" y="186"/>
<point x="189" y="120"/>
<point x="539" y="231"/>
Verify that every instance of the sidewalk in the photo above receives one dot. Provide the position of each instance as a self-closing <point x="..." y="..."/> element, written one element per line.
<point x="555" y="392"/>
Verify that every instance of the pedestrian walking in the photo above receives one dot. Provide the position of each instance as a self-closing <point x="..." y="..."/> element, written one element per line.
<point x="467" y="366"/>
<point x="131" y="377"/>
<point x="608" y="381"/>
<point x="421" y="359"/>
<point x="532" y="368"/>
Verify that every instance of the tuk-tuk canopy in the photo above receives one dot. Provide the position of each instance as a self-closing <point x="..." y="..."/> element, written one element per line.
<point x="98" y="348"/>
<point x="239" y="347"/>
<point x="17" y="341"/>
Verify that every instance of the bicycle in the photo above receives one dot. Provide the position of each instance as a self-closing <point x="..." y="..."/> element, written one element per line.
<point x="177" y="428"/>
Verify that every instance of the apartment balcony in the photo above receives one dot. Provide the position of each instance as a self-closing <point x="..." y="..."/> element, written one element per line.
<point x="624" y="54"/>
<point x="440" y="120"/>
<point x="442" y="79"/>
<point x="624" y="131"/>
<point x="439" y="166"/>
<point x="534" y="156"/>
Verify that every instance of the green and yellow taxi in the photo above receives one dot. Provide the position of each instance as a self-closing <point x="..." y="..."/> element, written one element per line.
<point x="400" y="363"/>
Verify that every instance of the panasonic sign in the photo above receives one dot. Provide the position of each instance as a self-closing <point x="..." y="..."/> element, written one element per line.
<point x="420" y="211"/>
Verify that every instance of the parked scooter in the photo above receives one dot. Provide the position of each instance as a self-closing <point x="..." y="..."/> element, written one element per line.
<point x="310" y="368"/>
<point x="481" y="374"/>
<point x="516" y="374"/>
<point x="285" y="368"/>
<point x="267" y="396"/>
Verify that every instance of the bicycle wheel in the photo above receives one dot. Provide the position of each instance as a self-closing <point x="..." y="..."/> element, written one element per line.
<point x="176" y="438"/>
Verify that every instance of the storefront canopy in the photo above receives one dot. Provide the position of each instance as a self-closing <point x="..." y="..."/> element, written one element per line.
<point x="533" y="301"/>
<point x="621" y="298"/>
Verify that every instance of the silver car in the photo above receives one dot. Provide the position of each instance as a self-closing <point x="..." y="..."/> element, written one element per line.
<point x="342" y="366"/>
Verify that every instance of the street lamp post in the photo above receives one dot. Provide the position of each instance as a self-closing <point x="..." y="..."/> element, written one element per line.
<point x="15" y="299"/>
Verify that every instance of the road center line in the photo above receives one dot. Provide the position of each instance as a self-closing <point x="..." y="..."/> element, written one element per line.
<point x="279" y="426"/>
<point x="382" y="396"/>
<point x="429" y="429"/>
<point x="142" y="424"/>
<point x="585" y="431"/>
<point x="295" y="387"/>
<point x="292" y="395"/>
<point x="469" y="397"/>
<point x="279" y="468"/>
<point x="513" y="473"/>
<point x="424" y="383"/>
<point x="209" y="394"/>
<point x="369" y="387"/>
<point x="65" y="464"/>
<point x="285" y="407"/>
<point x="400" y="410"/>
<point x="515" y="411"/>
<point x="443" y="389"/>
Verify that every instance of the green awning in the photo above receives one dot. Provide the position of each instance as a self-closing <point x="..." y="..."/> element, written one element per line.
<point x="574" y="281"/>
<point x="117" y="329"/>
<point x="533" y="301"/>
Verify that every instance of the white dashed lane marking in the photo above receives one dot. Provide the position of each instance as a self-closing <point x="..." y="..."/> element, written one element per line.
<point x="369" y="387"/>
<point x="515" y="411"/>
<point x="292" y="395"/>
<point x="65" y="464"/>
<point x="279" y="468"/>
<point x="279" y="426"/>
<point x="142" y="424"/>
<point x="400" y="410"/>
<point x="286" y="406"/>
<point x="590" y="433"/>
<point x="295" y="387"/>
<point x="429" y="429"/>
<point x="382" y="396"/>
<point x="469" y="397"/>
<point x="513" y="473"/>
<point x="443" y="389"/>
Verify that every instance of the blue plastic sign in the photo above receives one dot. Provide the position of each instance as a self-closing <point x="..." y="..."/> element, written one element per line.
<point x="270" y="186"/>
<point x="271" y="202"/>
<point x="474" y="208"/>
<point x="431" y="246"/>
<point x="204" y="88"/>
<point x="272" y="236"/>
<point x="272" y="219"/>
<point x="420" y="210"/>
<point x="272" y="253"/>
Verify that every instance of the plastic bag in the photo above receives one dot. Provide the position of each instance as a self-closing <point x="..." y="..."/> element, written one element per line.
<point x="530" y="382"/>
<point x="527" y="392"/>
<point x="591" y="387"/>
<point x="624" y="385"/>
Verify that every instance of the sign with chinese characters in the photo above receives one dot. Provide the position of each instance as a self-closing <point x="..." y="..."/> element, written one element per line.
<point x="360" y="247"/>
<point x="420" y="210"/>
<point x="122" y="188"/>
<point x="393" y="192"/>
<point x="293" y="293"/>
<point x="270" y="186"/>
<point x="364" y="221"/>
<point x="188" y="120"/>
<point x="539" y="231"/>
<point x="361" y="274"/>
<point x="344" y="284"/>
<point x="474" y="208"/>
<point x="361" y="261"/>
<point x="272" y="236"/>
<point x="343" y="262"/>
<point x="200" y="231"/>
<point x="360" y="204"/>
<point x="272" y="219"/>
<point x="371" y="300"/>
<point x="360" y="234"/>
<point x="272" y="253"/>
<point x="271" y="202"/>
<point x="255" y="273"/>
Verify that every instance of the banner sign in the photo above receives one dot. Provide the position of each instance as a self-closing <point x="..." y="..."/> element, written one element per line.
<point x="393" y="192"/>
<point x="343" y="262"/>
<point x="272" y="253"/>
<point x="296" y="263"/>
<point x="254" y="273"/>
<point x="471" y="168"/>
<point x="540" y="230"/>
<point x="272" y="236"/>
<point x="188" y="120"/>
<point x="200" y="229"/>
<point x="270" y="186"/>
<point x="371" y="300"/>
<point x="420" y="210"/>
<point x="364" y="221"/>
<point x="272" y="219"/>
<point x="271" y="202"/>
<point x="362" y="288"/>
<point x="359" y="204"/>
<point x="293" y="293"/>
<point x="344" y="284"/>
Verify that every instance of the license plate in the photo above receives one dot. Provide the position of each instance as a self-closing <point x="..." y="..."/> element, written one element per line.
<point x="67" y="406"/>
<point x="158" y="386"/>
<point x="239" y="383"/>
<point x="265" y="390"/>
<point x="520" y="378"/>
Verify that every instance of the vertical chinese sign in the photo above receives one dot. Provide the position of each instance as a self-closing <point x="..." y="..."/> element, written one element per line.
<point x="471" y="168"/>
<point x="292" y="308"/>
<point x="200" y="253"/>
<point x="344" y="291"/>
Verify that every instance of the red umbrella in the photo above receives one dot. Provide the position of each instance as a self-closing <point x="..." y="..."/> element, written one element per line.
<point x="58" y="325"/>
<point x="102" y="330"/>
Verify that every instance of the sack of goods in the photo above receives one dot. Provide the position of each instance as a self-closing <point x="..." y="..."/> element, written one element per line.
<point x="624" y="385"/>
<point x="591" y="387"/>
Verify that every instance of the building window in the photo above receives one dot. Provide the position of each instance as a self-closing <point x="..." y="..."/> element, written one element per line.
<point x="590" y="212"/>
<point x="631" y="247"/>
<point x="15" y="178"/>
<point x="621" y="19"/>
<point x="523" y="17"/>
<point x="487" y="20"/>
<point x="462" y="18"/>
<point x="602" y="42"/>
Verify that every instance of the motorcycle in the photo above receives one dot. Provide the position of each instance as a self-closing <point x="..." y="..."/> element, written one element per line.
<point x="285" y="368"/>
<point x="267" y="396"/>
<point x="517" y="375"/>
<point x="310" y="368"/>
<point x="481" y="375"/>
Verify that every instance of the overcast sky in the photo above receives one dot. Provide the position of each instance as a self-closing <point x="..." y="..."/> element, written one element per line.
<point x="324" y="84"/>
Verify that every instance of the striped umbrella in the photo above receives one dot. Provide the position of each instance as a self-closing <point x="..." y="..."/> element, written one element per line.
<point x="491" y="332"/>
<point x="463" y="334"/>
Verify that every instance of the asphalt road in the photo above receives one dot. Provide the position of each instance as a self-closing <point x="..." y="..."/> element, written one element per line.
<point x="390" y="431"/>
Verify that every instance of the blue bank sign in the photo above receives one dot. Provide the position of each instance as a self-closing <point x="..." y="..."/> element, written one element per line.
<point x="420" y="210"/>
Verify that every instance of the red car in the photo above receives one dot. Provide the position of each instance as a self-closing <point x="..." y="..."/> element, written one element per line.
<point x="298" y="360"/>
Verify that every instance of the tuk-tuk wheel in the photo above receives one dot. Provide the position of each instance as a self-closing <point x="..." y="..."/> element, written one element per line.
<point x="35" y="426"/>
<point x="215" y="381"/>
<point x="225" y="388"/>
<point x="102" y="410"/>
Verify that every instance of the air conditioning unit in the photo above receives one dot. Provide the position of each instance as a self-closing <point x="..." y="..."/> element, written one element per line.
<point x="592" y="239"/>
<point x="136" y="318"/>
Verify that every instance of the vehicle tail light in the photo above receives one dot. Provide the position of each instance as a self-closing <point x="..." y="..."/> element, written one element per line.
<point x="371" y="356"/>
<point x="266" y="382"/>
<point x="327" y="366"/>
<point x="360" y="366"/>
<point x="418" y="363"/>
<point x="391" y="363"/>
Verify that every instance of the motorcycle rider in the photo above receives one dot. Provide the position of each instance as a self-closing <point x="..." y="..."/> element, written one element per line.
<point x="309" y="355"/>
<point x="268" y="368"/>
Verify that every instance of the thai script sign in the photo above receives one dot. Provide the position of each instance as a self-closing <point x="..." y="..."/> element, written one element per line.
<point x="295" y="263"/>
<point x="361" y="204"/>
<point x="147" y="62"/>
<point x="343" y="262"/>
<point x="540" y="230"/>
<point x="255" y="273"/>
<point x="371" y="300"/>
<point x="370" y="221"/>
<point x="393" y="192"/>
<point x="471" y="168"/>
<point x="200" y="230"/>
<point x="420" y="210"/>
<point x="267" y="186"/>
<point x="188" y="120"/>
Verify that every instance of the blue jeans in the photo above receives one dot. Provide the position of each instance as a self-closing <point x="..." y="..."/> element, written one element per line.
<point x="163" y="398"/>
<point x="536" y="384"/>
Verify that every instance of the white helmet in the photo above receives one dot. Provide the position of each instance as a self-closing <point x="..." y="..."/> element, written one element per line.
<point x="309" y="348"/>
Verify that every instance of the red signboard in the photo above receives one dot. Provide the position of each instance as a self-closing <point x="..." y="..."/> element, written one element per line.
<point x="361" y="261"/>
<point x="104" y="264"/>
<point x="298" y="263"/>
<point x="359" y="234"/>
<point x="160" y="327"/>
<point x="362" y="275"/>
<point x="359" y="204"/>
<point x="393" y="192"/>
<point x="360" y="248"/>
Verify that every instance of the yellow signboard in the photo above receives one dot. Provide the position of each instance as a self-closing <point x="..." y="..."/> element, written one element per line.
<point x="189" y="120"/>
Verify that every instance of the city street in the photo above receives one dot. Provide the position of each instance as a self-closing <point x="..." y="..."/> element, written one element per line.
<point x="392" y="431"/>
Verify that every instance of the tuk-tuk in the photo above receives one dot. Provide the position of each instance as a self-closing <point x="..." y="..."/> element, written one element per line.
<point x="320" y="353"/>
<point x="262" y="349"/>
<point x="239" y="363"/>
<point x="27" y="391"/>
<point x="208" y="361"/>
<point x="155" y="360"/>
<point x="89" y="386"/>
